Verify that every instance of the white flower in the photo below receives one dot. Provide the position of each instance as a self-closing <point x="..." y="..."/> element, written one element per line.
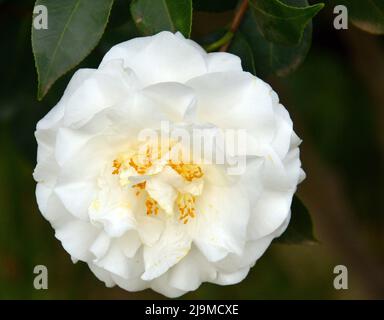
<point x="142" y="221"/>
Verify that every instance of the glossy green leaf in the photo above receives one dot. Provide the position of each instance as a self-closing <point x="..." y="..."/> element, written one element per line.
<point x="214" y="5"/>
<point x="282" y="23"/>
<point x="367" y="15"/>
<point x="153" y="16"/>
<point x="241" y="48"/>
<point x="300" y="228"/>
<point x="272" y="58"/>
<point x="74" y="29"/>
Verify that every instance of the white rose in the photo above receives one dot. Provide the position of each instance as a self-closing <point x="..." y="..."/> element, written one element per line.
<point x="145" y="222"/>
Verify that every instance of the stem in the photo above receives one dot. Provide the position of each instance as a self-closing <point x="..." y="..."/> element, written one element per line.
<point x="239" y="14"/>
<point x="219" y="43"/>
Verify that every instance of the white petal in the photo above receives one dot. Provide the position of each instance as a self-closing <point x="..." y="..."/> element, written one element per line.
<point x="43" y="192"/>
<point x="191" y="271"/>
<point x="77" y="197"/>
<point x="53" y="211"/>
<point x="46" y="171"/>
<point x="132" y="284"/>
<point x="171" y="177"/>
<point x="115" y="221"/>
<point x="173" y="245"/>
<point x="53" y="118"/>
<point x="101" y="245"/>
<point x="161" y="285"/>
<point x="77" y="237"/>
<point x="159" y="58"/>
<point x="284" y="128"/>
<point x="171" y="99"/>
<point x="252" y="252"/>
<point x="292" y="166"/>
<point x="150" y="229"/>
<point x="223" y="61"/>
<point x="273" y="172"/>
<point x="118" y="263"/>
<point x="221" y="221"/>
<point x="68" y="143"/>
<point x="231" y="278"/>
<point x="103" y="89"/>
<point x="270" y="211"/>
<point x="102" y="275"/>
<point x="162" y="192"/>
<point x="235" y="100"/>
<point x="130" y="242"/>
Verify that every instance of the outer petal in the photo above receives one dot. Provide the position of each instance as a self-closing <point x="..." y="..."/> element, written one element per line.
<point x="159" y="58"/>
<point x="271" y="210"/>
<point x="102" y="275"/>
<point x="77" y="237"/>
<point x="161" y="285"/>
<point x="235" y="100"/>
<point x="116" y="262"/>
<point x="224" y="278"/>
<point x="101" y="245"/>
<point x="191" y="271"/>
<point x="132" y="284"/>
<point x="104" y="88"/>
<point x="77" y="197"/>
<point x="283" y="133"/>
<point x="51" y="207"/>
<point x="223" y="61"/>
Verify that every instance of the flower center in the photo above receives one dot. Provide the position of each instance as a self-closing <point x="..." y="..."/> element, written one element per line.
<point x="149" y="163"/>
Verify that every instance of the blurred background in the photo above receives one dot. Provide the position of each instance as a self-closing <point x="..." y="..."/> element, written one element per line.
<point x="336" y="99"/>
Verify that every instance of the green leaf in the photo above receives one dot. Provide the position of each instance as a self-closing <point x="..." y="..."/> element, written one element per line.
<point x="240" y="47"/>
<point x="282" y="23"/>
<point x="74" y="29"/>
<point x="272" y="58"/>
<point x="153" y="16"/>
<point x="367" y="15"/>
<point x="214" y="5"/>
<point x="300" y="228"/>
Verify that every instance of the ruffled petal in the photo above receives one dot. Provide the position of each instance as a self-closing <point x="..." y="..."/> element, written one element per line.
<point x="159" y="58"/>
<point x="77" y="236"/>
<point x="235" y="100"/>
<point x="173" y="245"/>
<point x="221" y="221"/>
<point x="191" y="271"/>
<point x="223" y="61"/>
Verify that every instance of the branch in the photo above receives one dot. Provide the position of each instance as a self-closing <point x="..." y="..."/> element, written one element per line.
<point x="239" y="14"/>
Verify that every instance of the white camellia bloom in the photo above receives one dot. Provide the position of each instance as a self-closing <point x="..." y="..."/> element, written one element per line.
<point x="138" y="219"/>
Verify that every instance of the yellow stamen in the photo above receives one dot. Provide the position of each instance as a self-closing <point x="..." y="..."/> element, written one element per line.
<point x="188" y="171"/>
<point x="144" y="158"/>
<point x="186" y="205"/>
<point x="152" y="206"/>
<point x="117" y="165"/>
<point x="141" y="162"/>
<point x="139" y="186"/>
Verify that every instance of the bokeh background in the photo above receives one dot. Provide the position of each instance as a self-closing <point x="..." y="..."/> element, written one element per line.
<point x="336" y="99"/>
